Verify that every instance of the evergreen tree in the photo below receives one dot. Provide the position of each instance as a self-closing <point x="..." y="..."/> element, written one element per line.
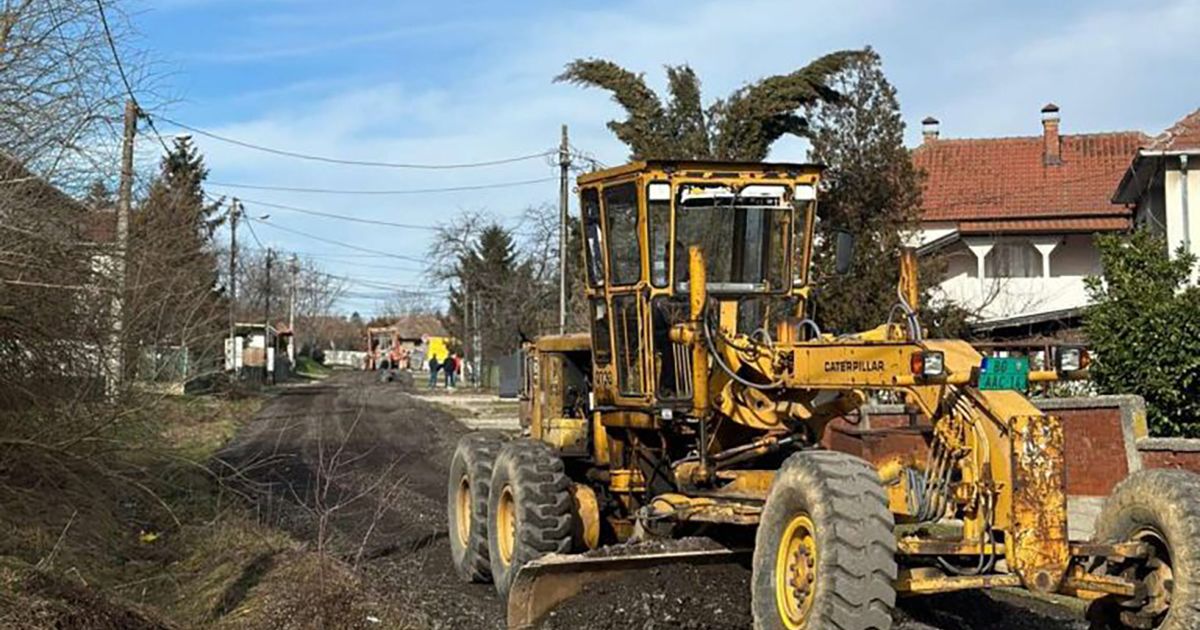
<point x="99" y="197"/>
<point x="1143" y="325"/>
<point x="871" y="190"/>
<point x="741" y="126"/>
<point x="506" y="299"/>
<point x="173" y="261"/>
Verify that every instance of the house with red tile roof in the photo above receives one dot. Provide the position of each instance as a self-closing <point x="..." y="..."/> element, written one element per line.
<point x="1015" y="220"/>
<point x="1161" y="185"/>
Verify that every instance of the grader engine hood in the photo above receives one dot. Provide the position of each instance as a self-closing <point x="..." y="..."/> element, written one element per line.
<point x="992" y="434"/>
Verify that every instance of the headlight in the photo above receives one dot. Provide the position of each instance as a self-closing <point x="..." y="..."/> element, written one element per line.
<point x="928" y="363"/>
<point x="1072" y="359"/>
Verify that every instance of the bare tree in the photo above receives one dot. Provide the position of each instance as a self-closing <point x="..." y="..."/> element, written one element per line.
<point x="61" y="94"/>
<point x="316" y="290"/>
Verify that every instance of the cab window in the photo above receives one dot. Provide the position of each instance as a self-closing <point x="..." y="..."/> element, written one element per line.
<point x="594" y="245"/>
<point x="624" y="244"/>
<point x="658" y="206"/>
<point x="743" y="235"/>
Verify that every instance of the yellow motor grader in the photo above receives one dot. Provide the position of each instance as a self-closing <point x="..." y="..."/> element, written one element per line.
<point x="697" y="405"/>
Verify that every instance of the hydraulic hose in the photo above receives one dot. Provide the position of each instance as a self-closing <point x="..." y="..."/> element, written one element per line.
<point x="712" y="349"/>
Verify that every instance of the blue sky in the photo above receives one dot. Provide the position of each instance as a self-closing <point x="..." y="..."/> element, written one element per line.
<point x="467" y="81"/>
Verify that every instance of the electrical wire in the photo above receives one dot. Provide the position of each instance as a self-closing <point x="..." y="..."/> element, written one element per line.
<point x="368" y="266"/>
<point x="112" y="46"/>
<point x="341" y="217"/>
<point x="410" y="191"/>
<point x="338" y="243"/>
<point x="333" y="160"/>
<point x="250" y="226"/>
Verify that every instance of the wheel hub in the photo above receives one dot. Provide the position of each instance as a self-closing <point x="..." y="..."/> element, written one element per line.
<point x="462" y="507"/>
<point x="796" y="572"/>
<point x="506" y="524"/>
<point x="1158" y="580"/>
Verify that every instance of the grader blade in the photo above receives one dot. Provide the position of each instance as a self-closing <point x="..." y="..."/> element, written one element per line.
<point x="548" y="581"/>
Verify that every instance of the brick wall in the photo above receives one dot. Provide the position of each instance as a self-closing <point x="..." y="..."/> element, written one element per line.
<point x="1170" y="453"/>
<point x="1095" y="449"/>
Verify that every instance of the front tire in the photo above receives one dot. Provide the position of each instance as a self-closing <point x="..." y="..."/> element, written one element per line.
<point x="467" y="504"/>
<point x="825" y="552"/>
<point x="1162" y="509"/>
<point x="529" y="510"/>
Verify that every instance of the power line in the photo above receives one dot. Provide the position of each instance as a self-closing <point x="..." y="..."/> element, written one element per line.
<point x="377" y="283"/>
<point x="362" y="295"/>
<point x="338" y="255"/>
<point x="250" y="225"/>
<point x="112" y="46"/>
<point x="411" y="191"/>
<point x="333" y="160"/>
<point x="338" y="243"/>
<point x="366" y="266"/>
<point x="332" y="215"/>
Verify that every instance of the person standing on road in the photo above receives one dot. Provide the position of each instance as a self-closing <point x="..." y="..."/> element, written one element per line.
<point x="451" y="369"/>
<point x="433" y="371"/>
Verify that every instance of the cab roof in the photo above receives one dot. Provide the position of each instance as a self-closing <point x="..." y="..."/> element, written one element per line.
<point x="703" y="168"/>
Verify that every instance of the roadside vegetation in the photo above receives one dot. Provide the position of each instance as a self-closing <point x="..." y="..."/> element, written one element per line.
<point x="309" y="367"/>
<point x="1144" y="328"/>
<point x="116" y="507"/>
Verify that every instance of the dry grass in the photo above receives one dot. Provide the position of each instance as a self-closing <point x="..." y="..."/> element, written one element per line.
<point x="144" y="535"/>
<point x="300" y="590"/>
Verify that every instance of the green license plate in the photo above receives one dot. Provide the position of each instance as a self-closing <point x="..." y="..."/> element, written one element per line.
<point x="1004" y="373"/>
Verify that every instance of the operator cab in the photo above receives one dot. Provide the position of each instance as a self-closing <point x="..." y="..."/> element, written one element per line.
<point x="753" y="221"/>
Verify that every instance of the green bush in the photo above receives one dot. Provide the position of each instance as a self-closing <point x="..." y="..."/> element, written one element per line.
<point x="1144" y="329"/>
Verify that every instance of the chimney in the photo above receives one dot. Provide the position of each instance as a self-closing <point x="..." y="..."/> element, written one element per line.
<point x="1051" y="143"/>
<point x="929" y="129"/>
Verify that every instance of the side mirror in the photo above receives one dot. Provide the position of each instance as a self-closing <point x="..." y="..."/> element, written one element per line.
<point x="844" y="252"/>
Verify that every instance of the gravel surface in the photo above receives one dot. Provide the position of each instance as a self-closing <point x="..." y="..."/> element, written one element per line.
<point x="360" y="467"/>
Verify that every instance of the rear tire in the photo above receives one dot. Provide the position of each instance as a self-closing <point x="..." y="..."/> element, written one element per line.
<point x="825" y="552"/>
<point x="1160" y="507"/>
<point x="467" y="503"/>
<point x="529" y="510"/>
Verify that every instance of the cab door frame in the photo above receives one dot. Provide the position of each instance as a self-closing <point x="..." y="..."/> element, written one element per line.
<point x="611" y="375"/>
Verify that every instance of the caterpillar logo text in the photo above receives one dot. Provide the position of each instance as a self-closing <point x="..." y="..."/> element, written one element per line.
<point x="854" y="366"/>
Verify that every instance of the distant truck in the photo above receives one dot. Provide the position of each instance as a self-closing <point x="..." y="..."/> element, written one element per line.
<point x="385" y="350"/>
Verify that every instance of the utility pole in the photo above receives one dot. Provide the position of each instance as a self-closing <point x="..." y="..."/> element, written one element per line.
<point x="468" y="342"/>
<point x="476" y="342"/>
<point x="267" y="324"/>
<point x="294" y="268"/>
<point x="116" y="363"/>
<point x="564" y="165"/>
<point x="234" y="211"/>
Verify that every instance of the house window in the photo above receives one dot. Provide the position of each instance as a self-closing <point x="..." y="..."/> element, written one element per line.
<point x="1013" y="259"/>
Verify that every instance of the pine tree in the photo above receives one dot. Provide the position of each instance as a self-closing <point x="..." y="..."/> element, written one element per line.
<point x="506" y="299"/>
<point x="741" y="126"/>
<point x="173" y="265"/>
<point x="98" y="197"/>
<point x="871" y="190"/>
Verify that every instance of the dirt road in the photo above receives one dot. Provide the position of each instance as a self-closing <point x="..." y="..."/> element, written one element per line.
<point x="359" y="467"/>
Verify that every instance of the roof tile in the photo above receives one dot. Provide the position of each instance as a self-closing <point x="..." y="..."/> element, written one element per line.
<point x="1183" y="135"/>
<point x="1006" y="178"/>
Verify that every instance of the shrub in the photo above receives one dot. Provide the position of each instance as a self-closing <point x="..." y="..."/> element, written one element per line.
<point x="1144" y="328"/>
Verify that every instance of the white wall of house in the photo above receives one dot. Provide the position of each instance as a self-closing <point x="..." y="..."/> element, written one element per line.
<point x="1010" y="276"/>
<point x="1175" y="214"/>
